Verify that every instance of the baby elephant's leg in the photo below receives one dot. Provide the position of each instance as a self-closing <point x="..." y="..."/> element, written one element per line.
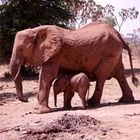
<point x="82" y="95"/>
<point x="67" y="99"/>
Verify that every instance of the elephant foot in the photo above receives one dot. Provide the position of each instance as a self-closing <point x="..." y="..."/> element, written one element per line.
<point x="84" y="107"/>
<point x="67" y="107"/>
<point x="126" y="99"/>
<point x="42" y="109"/>
<point x="23" y="99"/>
<point x="91" y="102"/>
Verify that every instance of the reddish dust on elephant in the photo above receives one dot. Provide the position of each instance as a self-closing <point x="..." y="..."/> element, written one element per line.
<point x="95" y="49"/>
<point x="69" y="84"/>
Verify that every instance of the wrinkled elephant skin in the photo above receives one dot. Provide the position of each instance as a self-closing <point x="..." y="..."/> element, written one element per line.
<point x="95" y="49"/>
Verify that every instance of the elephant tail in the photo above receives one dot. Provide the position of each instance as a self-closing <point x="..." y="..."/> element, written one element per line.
<point x="134" y="79"/>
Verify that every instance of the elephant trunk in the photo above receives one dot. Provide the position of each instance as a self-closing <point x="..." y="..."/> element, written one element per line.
<point x="15" y="72"/>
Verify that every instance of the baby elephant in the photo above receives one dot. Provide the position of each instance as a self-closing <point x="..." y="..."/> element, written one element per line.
<point x="69" y="84"/>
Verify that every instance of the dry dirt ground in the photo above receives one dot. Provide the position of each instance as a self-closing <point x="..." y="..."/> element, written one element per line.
<point x="108" y="121"/>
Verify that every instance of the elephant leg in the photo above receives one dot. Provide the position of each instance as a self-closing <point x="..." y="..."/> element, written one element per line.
<point x="67" y="99"/>
<point x="95" y="99"/>
<point x="47" y="75"/>
<point x="82" y="95"/>
<point x="127" y="95"/>
<point x="70" y="98"/>
<point x="102" y="72"/>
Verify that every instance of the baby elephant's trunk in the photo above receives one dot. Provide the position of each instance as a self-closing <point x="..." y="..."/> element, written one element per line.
<point x="55" y="99"/>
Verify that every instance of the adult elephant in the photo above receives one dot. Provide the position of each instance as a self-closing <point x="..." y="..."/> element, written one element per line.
<point x="95" y="49"/>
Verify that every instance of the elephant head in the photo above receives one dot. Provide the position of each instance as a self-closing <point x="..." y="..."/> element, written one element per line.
<point x="33" y="47"/>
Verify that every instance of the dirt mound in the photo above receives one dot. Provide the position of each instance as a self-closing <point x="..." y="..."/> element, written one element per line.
<point x="66" y="127"/>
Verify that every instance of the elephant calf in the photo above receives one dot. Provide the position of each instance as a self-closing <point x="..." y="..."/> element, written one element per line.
<point x="69" y="84"/>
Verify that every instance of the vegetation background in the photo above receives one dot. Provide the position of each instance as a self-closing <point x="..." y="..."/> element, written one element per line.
<point x="17" y="15"/>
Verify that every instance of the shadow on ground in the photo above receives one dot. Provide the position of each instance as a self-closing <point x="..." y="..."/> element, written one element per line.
<point x="128" y="71"/>
<point x="9" y="78"/>
<point x="97" y="106"/>
<point x="9" y="97"/>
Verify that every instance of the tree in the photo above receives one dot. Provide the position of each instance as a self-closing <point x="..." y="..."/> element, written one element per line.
<point x="124" y="14"/>
<point x="17" y="15"/>
<point x="84" y="11"/>
<point x="108" y="15"/>
<point x="87" y="10"/>
<point x="109" y="20"/>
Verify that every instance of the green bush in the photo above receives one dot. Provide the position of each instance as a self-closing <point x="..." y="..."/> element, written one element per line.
<point x="17" y="15"/>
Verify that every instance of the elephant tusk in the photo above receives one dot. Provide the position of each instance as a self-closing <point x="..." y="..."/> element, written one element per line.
<point x="17" y="73"/>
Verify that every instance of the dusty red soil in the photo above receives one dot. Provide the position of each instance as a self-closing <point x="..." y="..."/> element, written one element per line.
<point x="109" y="121"/>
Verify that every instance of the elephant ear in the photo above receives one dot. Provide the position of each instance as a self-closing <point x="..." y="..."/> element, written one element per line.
<point x="53" y="46"/>
<point x="49" y="42"/>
